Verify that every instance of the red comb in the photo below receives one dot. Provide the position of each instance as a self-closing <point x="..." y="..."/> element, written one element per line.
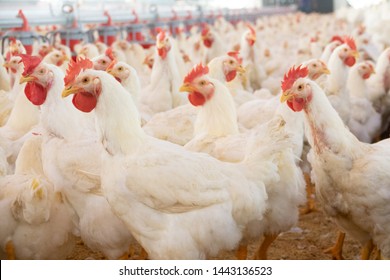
<point x="75" y="67"/>
<point x="337" y="38"/>
<point x="30" y="63"/>
<point x="197" y="71"/>
<point x="292" y="75"/>
<point x="161" y="35"/>
<point x="205" y="30"/>
<point x="236" y="56"/>
<point x="111" y="65"/>
<point x="253" y="31"/>
<point x="350" y="42"/>
<point x="110" y="53"/>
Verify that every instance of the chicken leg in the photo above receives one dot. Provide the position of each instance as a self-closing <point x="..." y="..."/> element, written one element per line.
<point x="261" y="253"/>
<point x="337" y="249"/>
<point x="10" y="250"/>
<point x="242" y="251"/>
<point x="366" y="250"/>
<point x="310" y="204"/>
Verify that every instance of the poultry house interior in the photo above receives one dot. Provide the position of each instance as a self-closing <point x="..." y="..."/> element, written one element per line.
<point x="195" y="130"/>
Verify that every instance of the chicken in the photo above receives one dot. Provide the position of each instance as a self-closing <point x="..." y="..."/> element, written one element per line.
<point x="216" y="133"/>
<point x="351" y="177"/>
<point x="58" y="58"/>
<point x="160" y="190"/>
<point x="88" y="51"/>
<point x="365" y="123"/>
<point x="65" y="139"/>
<point x="5" y="84"/>
<point x="127" y="76"/>
<point x="213" y="44"/>
<point x="379" y="89"/>
<point x="251" y="60"/>
<point x="343" y="56"/>
<point x="102" y="61"/>
<point x="163" y="92"/>
<point x="23" y="116"/>
<point x="177" y="125"/>
<point x="36" y="221"/>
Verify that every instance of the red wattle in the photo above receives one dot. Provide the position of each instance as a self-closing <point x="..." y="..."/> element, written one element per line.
<point x="196" y="98"/>
<point x="84" y="101"/>
<point x="162" y="52"/>
<point x="35" y="93"/>
<point x="251" y="42"/>
<point x="231" y="75"/>
<point x="349" y="61"/>
<point x="366" y="76"/>
<point x="208" y="43"/>
<point x="296" y="104"/>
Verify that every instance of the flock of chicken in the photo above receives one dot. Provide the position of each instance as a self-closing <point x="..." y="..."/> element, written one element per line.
<point x="197" y="145"/>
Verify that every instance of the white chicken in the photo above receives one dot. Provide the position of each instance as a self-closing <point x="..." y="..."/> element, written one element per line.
<point x="250" y="59"/>
<point x="343" y="56"/>
<point x="160" y="204"/>
<point x="365" y="123"/>
<point x="213" y="44"/>
<point x="163" y="92"/>
<point x="5" y="84"/>
<point x="216" y="133"/>
<point x="127" y="76"/>
<point x="68" y="136"/>
<point x="351" y="177"/>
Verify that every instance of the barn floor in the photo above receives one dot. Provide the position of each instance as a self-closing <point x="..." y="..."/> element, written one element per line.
<point x="313" y="234"/>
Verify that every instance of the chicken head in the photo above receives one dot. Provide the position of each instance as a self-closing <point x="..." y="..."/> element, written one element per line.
<point x="199" y="87"/>
<point x="296" y="91"/>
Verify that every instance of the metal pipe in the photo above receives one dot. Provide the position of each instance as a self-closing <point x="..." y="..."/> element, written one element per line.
<point x="84" y="18"/>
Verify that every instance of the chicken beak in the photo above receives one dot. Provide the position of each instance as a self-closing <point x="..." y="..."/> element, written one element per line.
<point x="187" y="88"/>
<point x="286" y="95"/>
<point x="241" y="69"/>
<point x="6" y="65"/>
<point x="25" y="79"/>
<point x="69" y="90"/>
<point x="325" y="70"/>
<point x="355" y="54"/>
<point x="65" y="58"/>
<point x="160" y="45"/>
<point x="252" y="38"/>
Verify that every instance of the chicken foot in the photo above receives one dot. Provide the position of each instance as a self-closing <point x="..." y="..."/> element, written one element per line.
<point x="337" y="249"/>
<point x="261" y="253"/>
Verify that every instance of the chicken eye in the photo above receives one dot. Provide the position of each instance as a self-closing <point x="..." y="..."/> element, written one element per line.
<point x="42" y="71"/>
<point x="364" y="67"/>
<point x="231" y="62"/>
<point x="202" y="83"/>
<point x="104" y="62"/>
<point x="300" y="87"/>
<point x="85" y="80"/>
<point x="314" y="65"/>
<point x="57" y="55"/>
<point x="120" y="68"/>
<point x="345" y="49"/>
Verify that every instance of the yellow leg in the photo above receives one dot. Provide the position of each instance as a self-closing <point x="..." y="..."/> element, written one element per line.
<point x="143" y="254"/>
<point x="366" y="250"/>
<point x="337" y="249"/>
<point x="261" y="253"/>
<point x="10" y="250"/>
<point x="242" y="251"/>
<point x="310" y="204"/>
<point x="378" y="255"/>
